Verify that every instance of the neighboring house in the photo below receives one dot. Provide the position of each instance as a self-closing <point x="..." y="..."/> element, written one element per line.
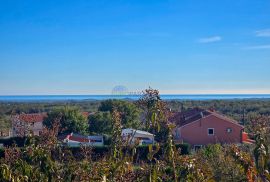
<point x="26" y="124"/>
<point x="201" y="127"/>
<point x="76" y="140"/>
<point x="5" y="133"/>
<point x="133" y="135"/>
<point x="86" y="114"/>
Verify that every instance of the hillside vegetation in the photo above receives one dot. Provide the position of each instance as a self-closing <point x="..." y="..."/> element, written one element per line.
<point x="43" y="159"/>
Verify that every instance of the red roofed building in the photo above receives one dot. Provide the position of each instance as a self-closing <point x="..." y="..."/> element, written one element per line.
<point x="76" y="140"/>
<point x="85" y="114"/>
<point x="25" y="124"/>
<point x="201" y="127"/>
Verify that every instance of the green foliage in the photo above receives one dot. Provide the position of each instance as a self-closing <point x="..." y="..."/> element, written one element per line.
<point x="211" y="151"/>
<point x="237" y="109"/>
<point x="153" y="110"/>
<point x="70" y="120"/>
<point x="5" y="122"/>
<point x="7" y="108"/>
<point x="117" y="142"/>
<point x="223" y="163"/>
<point x="129" y="112"/>
<point x="185" y="148"/>
<point x="260" y="127"/>
<point x="19" y="141"/>
<point x="100" y="123"/>
<point x="43" y="159"/>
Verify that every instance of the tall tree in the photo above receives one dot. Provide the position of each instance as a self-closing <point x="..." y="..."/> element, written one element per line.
<point x="261" y="131"/>
<point x="129" y="112"/>
<point x="100" y="123"/>
<point x="154" y="110"/>
<point x="5" y="122"/>
<point x="71" y="120"/>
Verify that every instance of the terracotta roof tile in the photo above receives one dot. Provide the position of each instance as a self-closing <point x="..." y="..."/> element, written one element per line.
<point x="186" y="117"/>
<point x="191" y="115"/>
<point x="85" y="114"/>
<point x="37" y="117"/>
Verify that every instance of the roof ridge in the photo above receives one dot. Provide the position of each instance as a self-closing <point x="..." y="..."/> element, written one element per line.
<point x="196" y="120"/>
<point x="226" y="118"/>
<point x="211" y="113"/>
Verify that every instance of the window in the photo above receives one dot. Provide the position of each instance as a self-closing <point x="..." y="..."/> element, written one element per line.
<point x="229" y="130"/>
<point x="211" y="131"/>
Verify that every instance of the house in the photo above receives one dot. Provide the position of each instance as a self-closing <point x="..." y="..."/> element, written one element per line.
<point x="25" y="124"/>
<point x="200" y="127"/>
<point x="133" y="135"/>
<point x="76" y="140"/>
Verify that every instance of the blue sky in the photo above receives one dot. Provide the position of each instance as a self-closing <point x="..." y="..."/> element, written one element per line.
<point x="90" y="46"/>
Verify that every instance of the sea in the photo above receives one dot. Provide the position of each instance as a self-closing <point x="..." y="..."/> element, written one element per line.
<point x="51" y="98"/>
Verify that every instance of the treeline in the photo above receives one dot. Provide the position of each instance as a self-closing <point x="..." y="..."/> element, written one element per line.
<point x="72" y="119"/>
<point x="228" y="107"/>
<point x="35" y="107"/>
<point x="240" y="110"/>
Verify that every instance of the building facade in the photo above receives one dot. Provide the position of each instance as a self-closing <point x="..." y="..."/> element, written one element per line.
<point x="26" y="124"/>
<point x="133" y="136"/>
<point x="77" y="140"/>
<point x="201" y="127"/>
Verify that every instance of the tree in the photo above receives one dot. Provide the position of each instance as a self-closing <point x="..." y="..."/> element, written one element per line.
<point x="71" y="120"/>
<point x="5" y="122"/>
<point x="100" y="123"/>
<point x="155" y="113"/>
<point x="129" y="112"/>
<point x="260" y="126"/>
<point x="222" y="162"/>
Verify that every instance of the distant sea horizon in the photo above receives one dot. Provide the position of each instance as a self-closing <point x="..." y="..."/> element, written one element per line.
<point x="43" y="98"/>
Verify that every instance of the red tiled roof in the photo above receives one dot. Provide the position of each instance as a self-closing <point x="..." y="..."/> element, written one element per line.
<point x="78" y="139"/>
<point x="226" y="118"/>
<point x="191" y="115"/>
<point x="186" y="117"/>
<point x="85" y="114"/>
<point x="37" y="117"/>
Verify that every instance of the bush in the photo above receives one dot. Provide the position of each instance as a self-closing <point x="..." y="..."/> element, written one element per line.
<point x="107" y="140"/>
<point x="19" y="141"/>
<point x="141" y="151"/>
<point x="2" y="153"/>
<point x="185" y="148"/>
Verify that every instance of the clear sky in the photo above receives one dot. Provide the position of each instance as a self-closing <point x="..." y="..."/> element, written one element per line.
<point x="176" y="46"/>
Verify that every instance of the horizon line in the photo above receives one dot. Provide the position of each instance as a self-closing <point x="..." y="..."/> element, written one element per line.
<point x="131" y="94"/>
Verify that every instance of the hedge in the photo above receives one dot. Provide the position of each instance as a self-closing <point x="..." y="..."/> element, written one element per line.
<point x="141" y="151"/>
<point x="19" y="141"/>
<point x="2" y="153"/>
<point x="98" y="152"/>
